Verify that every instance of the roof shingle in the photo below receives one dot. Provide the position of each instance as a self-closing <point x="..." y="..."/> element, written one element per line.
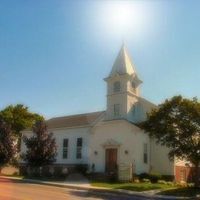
<point x="73" y="120"/>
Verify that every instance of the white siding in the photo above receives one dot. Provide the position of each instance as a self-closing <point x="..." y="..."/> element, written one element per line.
<point x="160" y="162"/>
<point x="128" y="136"/>
<point x="71" y="135"/>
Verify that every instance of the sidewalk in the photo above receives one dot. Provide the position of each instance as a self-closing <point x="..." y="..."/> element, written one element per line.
<point x="82" y="185"/>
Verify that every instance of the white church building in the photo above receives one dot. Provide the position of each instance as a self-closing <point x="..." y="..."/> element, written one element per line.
<point x="108" y="139"/>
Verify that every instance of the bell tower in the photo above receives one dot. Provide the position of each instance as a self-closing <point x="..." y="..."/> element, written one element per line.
<point x="122" y="88"/>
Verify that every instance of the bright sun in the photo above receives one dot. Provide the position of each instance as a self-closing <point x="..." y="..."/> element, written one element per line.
<point x="123" y="16"/>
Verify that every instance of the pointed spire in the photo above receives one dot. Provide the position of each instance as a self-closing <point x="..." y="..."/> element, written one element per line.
<point x="122" y="64"/>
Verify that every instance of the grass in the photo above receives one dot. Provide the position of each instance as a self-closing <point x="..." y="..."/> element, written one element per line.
<point x="182" y="192"/>
<point x="39" y="178"/>
<point x="139" y="187"/>
<point x="15" y="176"/>
<point x="57" y="179"/>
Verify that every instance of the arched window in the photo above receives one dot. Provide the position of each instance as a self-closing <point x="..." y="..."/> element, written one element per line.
<point x="116" y="110"/>
<point x="133" y="86"/>
<point x="116" y="86"/>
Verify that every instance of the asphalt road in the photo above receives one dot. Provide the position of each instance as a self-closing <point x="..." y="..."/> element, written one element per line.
<point x="17" y="190"/>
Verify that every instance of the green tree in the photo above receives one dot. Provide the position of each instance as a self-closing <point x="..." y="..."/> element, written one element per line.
<point x="18" y="117"/>
<point x="41" y="147"/>
<point x="7" y="144"/>
<point x="176" y="124"/>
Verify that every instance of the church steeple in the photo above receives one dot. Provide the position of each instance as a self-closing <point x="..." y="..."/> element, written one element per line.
<point x="122" y="86"/>
<point x="123" y="64"/>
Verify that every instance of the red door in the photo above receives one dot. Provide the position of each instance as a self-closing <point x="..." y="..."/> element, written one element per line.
<point x="111" y="160"/>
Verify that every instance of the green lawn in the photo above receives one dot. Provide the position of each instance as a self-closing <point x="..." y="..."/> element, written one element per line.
<point x="15" y="176"/>
<point x="132" y="186"/>
<point x="57" y="179"/>
<point x="182" y="192"/>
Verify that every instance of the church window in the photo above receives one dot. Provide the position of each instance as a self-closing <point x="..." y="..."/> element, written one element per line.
<point x="79" y="148"/>
<point x="116" y="110"/>
<point x="133" y="109"/>
<point x="133" y="85"/>
<point x="145" y="155"/>
<point x="117" y="86"/>
<point x="65" y="148"/>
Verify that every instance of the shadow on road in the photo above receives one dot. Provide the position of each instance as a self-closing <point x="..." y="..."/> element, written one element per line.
<point x="104" y="196"/>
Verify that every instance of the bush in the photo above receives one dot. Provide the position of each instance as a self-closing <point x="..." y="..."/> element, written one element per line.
<point x="168" y="177"/>
<point x="190" y="184"/>
<point x="58" y="171"/>
<point x="46" y="171"/>
<point x="162" y="182"/>
<point x="112" y="177"/>
<point x="82" y="169"/>
<point x="136" y="181"/>
<point x="143" y="176"/>
<point x="146" y="180"/>
<point x="154" y="177"/>
<point x="15" y="174"/>
<point x="170" y="183"/>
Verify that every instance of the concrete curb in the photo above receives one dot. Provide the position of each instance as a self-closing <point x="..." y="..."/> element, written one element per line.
<point x="95" y="189"/>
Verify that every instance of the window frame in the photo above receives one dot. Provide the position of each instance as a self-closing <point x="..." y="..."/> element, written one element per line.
<point x="65" y="148"/>
<point x="145" y="153"/>
<point x="79" y="145"/>
<point x="116" y="110"/>
<point x="133" y="86"/>
<point x="116" y="86"/>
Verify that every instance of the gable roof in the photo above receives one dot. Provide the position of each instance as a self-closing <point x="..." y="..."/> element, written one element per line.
<point x="142" y="107"/>
<point x="86" y="119"/>
<point x="123" y="63"/>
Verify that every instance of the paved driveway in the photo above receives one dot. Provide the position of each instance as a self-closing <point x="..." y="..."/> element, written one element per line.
<point x="16" y="190"/>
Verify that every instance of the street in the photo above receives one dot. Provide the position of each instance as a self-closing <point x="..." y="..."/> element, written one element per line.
<point x="17" y="190"/>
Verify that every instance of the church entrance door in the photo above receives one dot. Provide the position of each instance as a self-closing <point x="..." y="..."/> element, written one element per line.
<point x="111" y="160"/>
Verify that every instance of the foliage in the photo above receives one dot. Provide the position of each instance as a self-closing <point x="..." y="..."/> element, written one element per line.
<point x="146" y="180"/>
<point x="176" y="124"/>
<point x="162" y="182"/>
<point x="132" y="186"/>
<point x="182" y="192"/>
<point x="18" y="117"/>
<point x="82" y="168"/>
<point x="155" y="177"/>
<point x="143" y="176"/>
<point x="151" y="177"/>
<point x="41" y="147"/>
<point x="7" y="144"/>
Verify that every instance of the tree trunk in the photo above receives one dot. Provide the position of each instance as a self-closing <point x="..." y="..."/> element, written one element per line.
<point x="197" y="175"/>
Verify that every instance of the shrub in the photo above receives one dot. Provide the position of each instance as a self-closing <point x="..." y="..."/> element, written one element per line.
<point x="146" y="180"/>
<point x="58" y="171"/>
<point x="170" y="183"/>
<point x="168" y="177"/>
<point x="143" y="176"/>
<point x="112" y="177"/>
<point x="15" y="173"/>
<point x="162" y="181"/>
<point x="136" y="180"/>
<point x="154" y="177"/>
<point x="46" y="171"/>
<point x="82" y="168"/>
<point x="190" y="184"/>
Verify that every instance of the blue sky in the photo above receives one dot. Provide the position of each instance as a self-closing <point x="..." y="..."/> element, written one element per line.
<point x="54" y="54"/>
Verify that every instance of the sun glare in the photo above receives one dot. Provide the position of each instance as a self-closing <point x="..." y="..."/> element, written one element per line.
<point x="123" y="17"/>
